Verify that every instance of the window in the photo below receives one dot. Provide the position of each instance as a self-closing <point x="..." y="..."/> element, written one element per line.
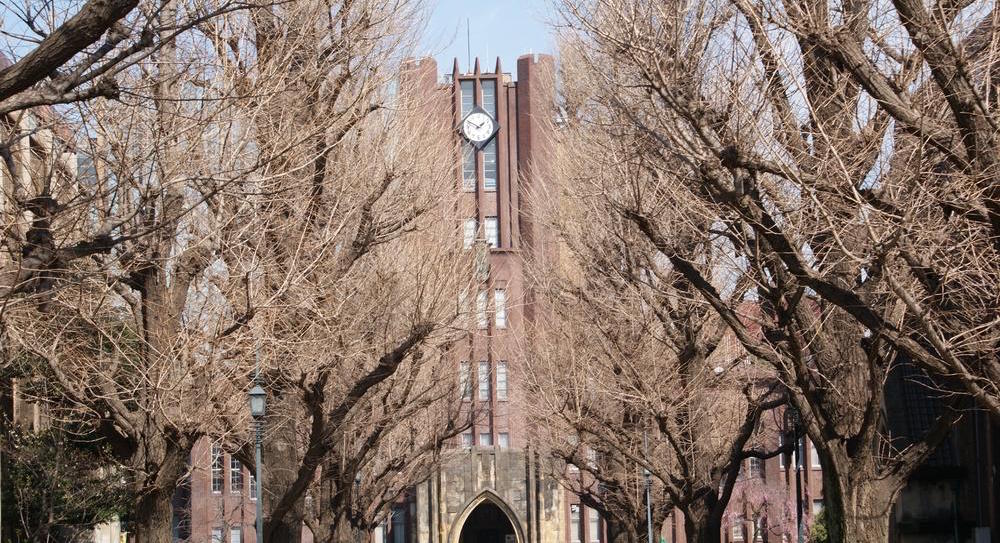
<point x="253" y="487"/>
<point x="593" y="526"/>
<point x="490" y="166"/>
<point x="489" y="97"/>
<point x="503" y="440"/>
<point x="781" y="457"/>
<point x="398" y="525"/>
<point x="814" y="456"/>
<point x="470" y="233"/>
<point x="217" y="535"/>
<point x="481" y="309"/>
<point x="464" y="380"/>
<point x="574" y="523"/>
<point x="236" y="535"/>
<point x="492" y="232"/>
<point x="217" y="473"/>
<point x="738" y="531"/>
<point x="467" y="440"/>
<point x="235" y="475"/>
<point x="379" y="533"/>
<point x="485" y="439"/>
<point x="817" y="506"/>
<point x="756" y="467"/>
<point x="502" y="380"/>
<point x="500" y="307"/>
<point x="591" y="458"/>
<point x="484" y="381"/>
<point x="468" y="168"/>
<point x="467" y="88"/>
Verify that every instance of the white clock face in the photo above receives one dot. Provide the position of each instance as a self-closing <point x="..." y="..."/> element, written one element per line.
<point x="478" y="127"/>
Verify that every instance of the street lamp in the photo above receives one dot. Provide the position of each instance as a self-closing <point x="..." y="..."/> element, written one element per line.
<point x="258" y="405"/>
<point x="793" y="429"/>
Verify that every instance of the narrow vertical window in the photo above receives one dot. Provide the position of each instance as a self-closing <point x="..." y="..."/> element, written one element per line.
<point x="485" y="439"/>
<point x="492" y="231"/>
<point x="756" y="467"/>
<point x="236" y="535"/>
<point x="489" y="97"/>
<point x="253" y="487"/>
<point x="217" y="466"/>
<point x="467" y="440"/>
<point x="781" y="457"/>
<point x="217" y="535"/>
<point x="574" y="523"/>
<point x="502" y="380"/>
<point x="738" y="531"/>
<point x="235" y="475"/>
<point x="594" y="526"/>
<point x="503" y="440"/>
<point x="490" y="166"/>
<point x="468" y="168"/>
<point x="398" y="525"/>
<point x="484" y="381"/>
<point x="467" y="88"/>
<point x="500" y="303"/>
<point x="464" y="383"/>
<point x="814" y="456"/>
<point x="470" y="233"/>
<point x="481" y="316"/>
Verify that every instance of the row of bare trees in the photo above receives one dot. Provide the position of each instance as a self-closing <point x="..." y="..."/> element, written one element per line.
<point x="766" y="204"/>
<point x="256" y="187"/>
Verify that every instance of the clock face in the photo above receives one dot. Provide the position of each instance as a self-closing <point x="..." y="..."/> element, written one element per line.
<point x="478" y="126"/>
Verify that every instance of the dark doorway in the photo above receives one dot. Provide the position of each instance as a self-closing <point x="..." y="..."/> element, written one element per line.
<point x="487" y="524"/>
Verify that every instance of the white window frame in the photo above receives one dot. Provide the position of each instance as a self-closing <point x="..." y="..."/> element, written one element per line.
<point x="218" y="469"/>
<point x="485" y="439"/>
<point x="500" y="307"/>
<point x="481" y="316"/>
<point x="236" y="534"/>
<point x="737" y="531"/>
<point x="814" y="456"/>
<point x="483" y="378"/>
<point x="217" y="536"/>
<point x="465" y="380"/>
<point x="491" y="150"/>
<point x="574" y="523"/>
<point x="253" y="487"/>
<point x="503" y="440"/>
<point x="235" y="476"/>
<point x="491" y="231"/>
<point x="593" y="525"/>
<point x="502" y="381"/>
<point x="469" y="233"/>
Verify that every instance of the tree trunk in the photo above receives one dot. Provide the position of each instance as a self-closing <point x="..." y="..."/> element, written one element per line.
<point x="620" y="532"/>
<point x="154" y="516"/>
<point x="281" y="458"/>
<point x="701" y="526"/>
<point x="857" y="508"/>
<point x="154" y="510"/>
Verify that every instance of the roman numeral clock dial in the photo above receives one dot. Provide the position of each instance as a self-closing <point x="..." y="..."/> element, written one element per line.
<point x="478" y="127"/>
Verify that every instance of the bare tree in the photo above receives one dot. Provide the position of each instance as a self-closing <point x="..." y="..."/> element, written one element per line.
<point x="656" y="378"/>
<point x="772" y="127"/>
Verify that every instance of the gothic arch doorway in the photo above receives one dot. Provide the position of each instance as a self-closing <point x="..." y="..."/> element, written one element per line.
<point x="487" y="520"/>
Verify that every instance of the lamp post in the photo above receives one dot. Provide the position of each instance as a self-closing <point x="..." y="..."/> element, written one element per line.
<point x="792" y="428"/>
<point x="258" y="404"/>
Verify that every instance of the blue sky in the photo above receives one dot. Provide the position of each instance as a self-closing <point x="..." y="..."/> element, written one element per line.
<point x="504" y="28"/>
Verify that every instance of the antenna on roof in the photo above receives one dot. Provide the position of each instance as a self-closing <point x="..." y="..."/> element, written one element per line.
<point x="468" y="42"/>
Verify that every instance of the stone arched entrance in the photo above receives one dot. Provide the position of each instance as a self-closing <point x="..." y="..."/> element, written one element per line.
<point x="487" y="520"/>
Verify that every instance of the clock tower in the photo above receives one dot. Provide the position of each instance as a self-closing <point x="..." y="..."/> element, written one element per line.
<point x="491" y="486"/>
